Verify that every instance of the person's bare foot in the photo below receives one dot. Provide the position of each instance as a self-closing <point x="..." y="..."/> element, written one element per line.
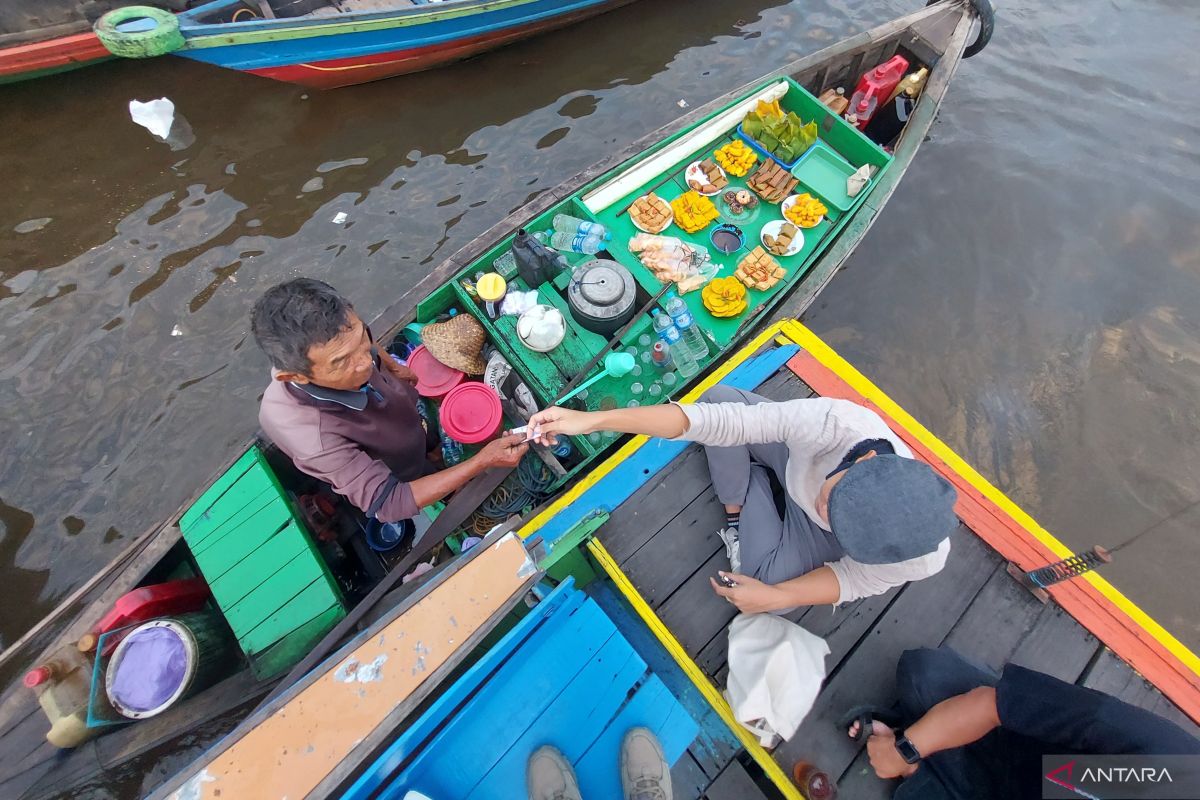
<point x="896" y="767"/>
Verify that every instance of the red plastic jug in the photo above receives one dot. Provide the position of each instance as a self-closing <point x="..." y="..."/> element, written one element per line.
<point x="874" y="87"/>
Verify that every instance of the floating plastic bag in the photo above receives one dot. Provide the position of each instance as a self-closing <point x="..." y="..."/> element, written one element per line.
<point x="775" y="671"/>
<point x="156" y="116"/>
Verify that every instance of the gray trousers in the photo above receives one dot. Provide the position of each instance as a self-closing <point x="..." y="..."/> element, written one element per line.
<point x="773" y="548"/>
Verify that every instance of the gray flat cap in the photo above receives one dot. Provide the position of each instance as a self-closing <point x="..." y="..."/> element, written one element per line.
<point x="890" y="508"/>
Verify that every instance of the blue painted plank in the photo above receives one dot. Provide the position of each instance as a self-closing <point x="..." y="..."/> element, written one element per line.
<point x="475" y="739"/>
<point x="652" y="707"/>
<point x="619" y="485"/>
<point x="562" y="600"/>
<point x="715" y="744"/>
<point x="576" y="718"/>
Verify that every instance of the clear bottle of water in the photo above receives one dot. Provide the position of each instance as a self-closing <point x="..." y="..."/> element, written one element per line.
<point x="452" y="451"/>
<point x="681" y="355"/>
<point x="576" y="243"/>
<point x="681" y="315"/>
<point x="565" y="223"/>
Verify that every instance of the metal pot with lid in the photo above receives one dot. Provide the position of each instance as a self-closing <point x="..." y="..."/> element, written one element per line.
<point x="602" y="294"/>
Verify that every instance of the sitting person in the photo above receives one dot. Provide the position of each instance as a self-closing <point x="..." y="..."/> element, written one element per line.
<point x="860" y="515"/>
<point x="966" y="733"/>
<point x="346" y="413"/>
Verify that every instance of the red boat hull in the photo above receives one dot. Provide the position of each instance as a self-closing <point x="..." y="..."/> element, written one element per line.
<point x="339" y="72"/>
<point x="53" y="55"/>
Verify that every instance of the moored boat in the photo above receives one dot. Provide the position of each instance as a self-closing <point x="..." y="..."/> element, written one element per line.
<point x="329" y="565"/>
<point x="325" y="44"/>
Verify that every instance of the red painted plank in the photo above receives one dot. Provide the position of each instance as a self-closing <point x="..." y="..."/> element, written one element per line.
<point x="1122" y="634"/>
<point x="64" y="51"/>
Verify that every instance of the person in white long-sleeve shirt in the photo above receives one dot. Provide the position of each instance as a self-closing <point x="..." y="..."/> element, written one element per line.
<point x="859" y="515"/>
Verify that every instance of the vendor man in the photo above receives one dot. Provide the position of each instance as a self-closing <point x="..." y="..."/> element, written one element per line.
<point x="346" y="413"/>
<point x="859" y="514"/>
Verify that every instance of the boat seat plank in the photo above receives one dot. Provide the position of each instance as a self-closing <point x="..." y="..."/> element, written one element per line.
<point x="734" y="783"/>
<point x="921" y="616"/>
<point x="218" y="488"/>
<point x="677" y="551"/>
<point x="1057" y="645"/>
<point x="235" y="584"/>
<point x="986" y="639"/>
<point x="223" y="551"/>
<point x="694" y="612"/>
<point x="231" y="508"/>
<point x="1111" y="675"/>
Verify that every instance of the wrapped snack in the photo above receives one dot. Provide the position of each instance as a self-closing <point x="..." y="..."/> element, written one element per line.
<point x="686" y="265"/>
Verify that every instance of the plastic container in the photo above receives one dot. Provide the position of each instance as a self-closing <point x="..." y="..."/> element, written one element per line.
<point x="824" y="173"/>
<point x="160" y="600"/>
<point x="565" y="223"/>
<point x="685" y="362"/>
<point x="762" y="151"/>
<point x="661" y="356"/>
<point x="161" y="662"/>
<point x="434" y="379"/>
<point x="875" y="86"/>
<point x="63" y="684"/>
<point x="471" y="413"/>
<point x="836" y="100"/>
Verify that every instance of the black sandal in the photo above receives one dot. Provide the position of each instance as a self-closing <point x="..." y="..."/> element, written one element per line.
<point x="864" y="715"/>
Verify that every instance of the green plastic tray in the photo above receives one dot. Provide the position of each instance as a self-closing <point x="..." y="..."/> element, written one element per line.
<point x="824" y="173"/>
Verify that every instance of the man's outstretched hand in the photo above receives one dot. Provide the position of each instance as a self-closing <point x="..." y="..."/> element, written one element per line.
<point x="505" y="451"/>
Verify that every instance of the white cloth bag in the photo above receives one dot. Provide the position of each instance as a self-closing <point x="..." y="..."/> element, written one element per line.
<point x="775" y="672"/>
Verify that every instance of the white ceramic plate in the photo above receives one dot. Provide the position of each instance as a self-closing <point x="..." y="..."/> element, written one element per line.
<point x="773" y="228"/>
<point x="667" y="224"/>
<point x="695" y="173"/>
<point x="791" y="201"/>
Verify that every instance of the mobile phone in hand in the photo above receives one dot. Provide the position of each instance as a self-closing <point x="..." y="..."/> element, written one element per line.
<point x="725" y="581"/>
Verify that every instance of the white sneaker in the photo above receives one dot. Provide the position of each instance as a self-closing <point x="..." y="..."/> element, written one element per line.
<point x="733" y="548"/>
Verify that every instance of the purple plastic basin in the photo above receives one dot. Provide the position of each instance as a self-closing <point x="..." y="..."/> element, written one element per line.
<point x="150" y="669"/>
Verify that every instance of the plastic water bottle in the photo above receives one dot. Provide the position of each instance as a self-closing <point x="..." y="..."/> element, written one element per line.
<point x="660" y="355"/>
<point x="693" y="339"/>
<point x="564" y="223"/>
<point x="685" y="362"/>
<point x="576" y="243"/>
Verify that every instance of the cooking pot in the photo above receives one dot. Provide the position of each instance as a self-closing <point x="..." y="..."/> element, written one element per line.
<point x="602" y="296"/>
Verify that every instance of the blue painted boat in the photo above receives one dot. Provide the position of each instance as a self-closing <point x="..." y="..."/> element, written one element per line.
<point x="325" y="44"/>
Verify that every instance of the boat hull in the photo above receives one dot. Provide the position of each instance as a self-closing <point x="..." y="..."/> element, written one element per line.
<point x="327" y="53"/>
<point x="26" y="61"/>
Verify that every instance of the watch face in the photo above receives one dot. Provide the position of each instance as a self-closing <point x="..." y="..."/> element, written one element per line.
<point x="907" y="750"/>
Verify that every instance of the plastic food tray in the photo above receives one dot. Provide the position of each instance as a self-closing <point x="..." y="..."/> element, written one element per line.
<point x="762" y="151"/>
<point x="824" y="173"/>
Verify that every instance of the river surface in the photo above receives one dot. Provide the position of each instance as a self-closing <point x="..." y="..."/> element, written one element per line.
<point x="1031" y="293"/>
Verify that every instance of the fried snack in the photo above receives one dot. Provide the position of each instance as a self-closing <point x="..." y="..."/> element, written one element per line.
<point x="714" y="181"/>
<point x="772" y="182"/>
<point x="759" y="270"/>
<point x="651" y="213"/>
<point x="779" y="245"/>
<point x="693" y="212"/>
<point x="740" y="200"/>
<point x="736" y="157"/>
<point x="806" y="211"/>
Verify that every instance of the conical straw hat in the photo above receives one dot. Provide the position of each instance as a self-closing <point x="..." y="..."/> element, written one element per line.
<point x="457" y="343"/>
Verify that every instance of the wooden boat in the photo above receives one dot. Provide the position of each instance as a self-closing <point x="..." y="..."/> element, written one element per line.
<point x="936" y="36"/>
<point x="42" y="37"/>
<point x="325" y="44"/>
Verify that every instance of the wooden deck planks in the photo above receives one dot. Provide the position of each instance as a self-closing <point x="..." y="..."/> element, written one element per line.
<point x="734" y="783"/>
<point x="1111" y="675"/>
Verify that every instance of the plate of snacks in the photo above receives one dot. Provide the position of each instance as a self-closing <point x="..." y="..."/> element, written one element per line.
<point x="693" y="212"/>
<point x="651" y="214"/>
<point x="705" y="177"/>
<point x="759" y="270"/>
<point x="739" y="205"/>
<point x="736" y="158"/>
<point x="772" y="182"/>
<point x="804" y="210"/>
<point x="782" y="238"/>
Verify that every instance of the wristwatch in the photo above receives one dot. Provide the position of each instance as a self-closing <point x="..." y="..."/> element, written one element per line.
<point x="908" y="751"/>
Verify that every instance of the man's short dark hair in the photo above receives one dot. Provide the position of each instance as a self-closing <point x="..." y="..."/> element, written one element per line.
<point x="297" y="315"/>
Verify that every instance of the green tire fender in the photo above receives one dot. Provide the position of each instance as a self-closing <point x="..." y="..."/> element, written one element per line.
<point x="159" y="40"/>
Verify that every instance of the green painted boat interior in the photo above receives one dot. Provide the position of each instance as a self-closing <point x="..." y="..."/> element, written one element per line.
<point x="272" y="585"/>
<point x="548" y="374"/>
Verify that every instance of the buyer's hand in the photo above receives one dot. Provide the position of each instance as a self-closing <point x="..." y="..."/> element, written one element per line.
<point x="751" y="596"/>
<point x="555" y="420"/>
<point x="505" y="451"/>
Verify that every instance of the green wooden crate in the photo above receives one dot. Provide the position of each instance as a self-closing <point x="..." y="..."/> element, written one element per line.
<point x="266" y="575"/>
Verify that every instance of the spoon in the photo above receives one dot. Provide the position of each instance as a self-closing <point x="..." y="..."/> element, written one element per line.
<point x="618" y="365"/>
